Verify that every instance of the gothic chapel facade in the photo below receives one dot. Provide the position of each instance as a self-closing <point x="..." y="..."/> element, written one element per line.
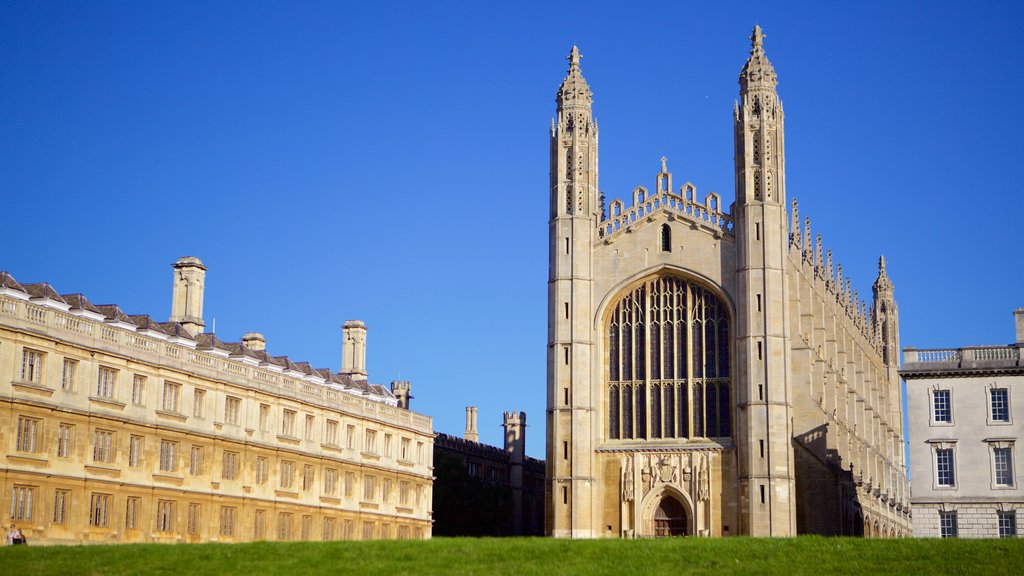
<point x="709" y="371"/>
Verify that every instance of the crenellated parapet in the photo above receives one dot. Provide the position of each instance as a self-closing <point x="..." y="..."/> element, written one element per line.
<point x="684" y="204"/>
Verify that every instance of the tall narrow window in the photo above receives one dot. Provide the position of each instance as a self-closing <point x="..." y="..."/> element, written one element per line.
<point x="228" y="516"/>
<point x="232" y="409"/>
<point x="67" y="381"/>
<point x="947" y="524"/>
<point x="1000" y="404"/>
<point x="199" y="403"/>
<point x="944" y="467"/>
<point x="139" y="390"/>
<point x="131" y="512"/>
<point x="942" y="410"/>
<point x="666" y="238"/>
<point x="195" y="461"/>
<point x="61" y="501"/>
<point x="31" y="366"/>
<point x="28" y="434"/>
<point x="168" y="456"/>
<point x="103" y="446"/>
<point x="105" y="381"/>
<point x="134" y="451"/>
<point x="171" y="397"/>
<point x="1003" y="458"/>
<point x="165" y="516"/>
<point x="99" y="510"/>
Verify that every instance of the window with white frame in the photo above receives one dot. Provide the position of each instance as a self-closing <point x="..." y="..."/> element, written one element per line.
<point x="331" y="433"/>
<point x="945" y="468"/>
<point x="999" y="404"/>
<point x="288" y="422"/>
<point x="31" y="366"/>
<point x="65" y="435"/>
<point x="942" y="406"/>
<point x="131" y="512"/>
<point x="195" y="461"/>
<point x="67" y="379"/>
<point x="330" y="480"/>
<point x="139" y="390"/>
<point x="232" y="409"/>
<point x="28" y="434"/>
<point x="261" y="470"/>
<point x="1002" y="457"/>
<point x="134" y="451"/>
<point x="165" y="516"/>
<point x="103" y="446"/>
<point x="106" y="380"/>
<point x="1008" y="524"/>
<point x="99" y="510"/>
<point x="168" y="456"/>
<point x="947" y="524"/>
<point x="61" y="501"/>
<point x="171" y="397"/>
<point x="228" y="516"/>
<point x="230" y="465"/>
<point x="287" y="472"/>
<point x="22" y="502"/>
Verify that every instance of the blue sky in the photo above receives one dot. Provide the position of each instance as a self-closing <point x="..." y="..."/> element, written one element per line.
<point x="389" y="162"/>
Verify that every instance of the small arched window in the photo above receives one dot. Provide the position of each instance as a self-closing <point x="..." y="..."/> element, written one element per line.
<point x="666" y="238"/>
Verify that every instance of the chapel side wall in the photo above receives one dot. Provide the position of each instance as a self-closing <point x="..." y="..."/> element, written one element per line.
<point x="848" y="448"/>
<point x="301" y="509"/>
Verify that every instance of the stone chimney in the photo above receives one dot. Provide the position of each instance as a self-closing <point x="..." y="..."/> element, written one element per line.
<point x="471" y="433"/>
<point x="1018" y="317"/>
<point x="187" y="297"/>
<point x="353" y="358"/>
<point x="402" y="391"/>
<point x="254" y="341"/>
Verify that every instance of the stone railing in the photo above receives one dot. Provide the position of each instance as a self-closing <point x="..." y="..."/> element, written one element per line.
<point x="117" y="340"/>
<point x="709" y="213"/>
<point x="966" y="358"/>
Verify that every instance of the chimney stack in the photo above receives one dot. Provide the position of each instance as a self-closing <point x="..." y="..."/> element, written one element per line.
<point x="254" y="341"/>
<point x="471" y="433"/>
<point x="1018" y="317"/>
<point x="403" y="391"/>
<point x="353" y="358"/>
<point x="187" y="297"/>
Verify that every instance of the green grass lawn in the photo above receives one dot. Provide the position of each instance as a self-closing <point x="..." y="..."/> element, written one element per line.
<point x="524" y="556"/>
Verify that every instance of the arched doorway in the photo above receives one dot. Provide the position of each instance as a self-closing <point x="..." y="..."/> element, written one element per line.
<point x="670" y="518"/>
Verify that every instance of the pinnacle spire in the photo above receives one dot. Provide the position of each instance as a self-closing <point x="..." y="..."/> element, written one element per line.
<point x="882" y="282"/>
<point x="758" y="72"/>
<point x="574" y="93"/>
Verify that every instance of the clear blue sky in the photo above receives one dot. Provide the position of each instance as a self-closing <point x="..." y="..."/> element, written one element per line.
<point x="389" y="162"/>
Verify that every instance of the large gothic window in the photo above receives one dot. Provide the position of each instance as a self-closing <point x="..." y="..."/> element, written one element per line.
<point x="668" y="363"/>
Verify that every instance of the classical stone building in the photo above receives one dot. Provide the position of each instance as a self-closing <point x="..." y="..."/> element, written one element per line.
<point x="710" y="371"/>
<point x="965" y="408"/>
<point x="483" y="490"/>
<point x="120" y="428"/>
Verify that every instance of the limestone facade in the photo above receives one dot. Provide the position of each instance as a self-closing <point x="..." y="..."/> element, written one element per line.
<point x="118" y="428"/>
<point x="966" y="419"/>
<point x="710" y="371"/>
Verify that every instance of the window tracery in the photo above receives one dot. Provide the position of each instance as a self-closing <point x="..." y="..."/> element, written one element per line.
<point x="668" y="363"/>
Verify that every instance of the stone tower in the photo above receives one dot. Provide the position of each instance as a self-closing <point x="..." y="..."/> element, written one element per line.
<point x="885" y="316"/>
<point x="574" y="215"/>
<point x="353" y="359"/>
<point x="764" y="434"/>
<point x="515" y="444"/>
<point x="187" y="296"/>
<point x="403" y="392"/>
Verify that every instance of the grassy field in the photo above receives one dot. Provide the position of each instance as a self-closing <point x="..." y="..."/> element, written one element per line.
<point x="524" y="556"/>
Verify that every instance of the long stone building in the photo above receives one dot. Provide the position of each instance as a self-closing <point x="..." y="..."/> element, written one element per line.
<point x="710" y="370"/>
<point x="120" y="428"/>
<point x="483" y="490"/>
<point x="965" y="409"/>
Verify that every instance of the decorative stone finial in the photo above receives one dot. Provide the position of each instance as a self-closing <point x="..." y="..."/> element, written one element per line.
<point x="574" y="57"/>
<point x="757" y="39"/>
<point x="882" y="282"/>
<point x="664" y="166"/>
